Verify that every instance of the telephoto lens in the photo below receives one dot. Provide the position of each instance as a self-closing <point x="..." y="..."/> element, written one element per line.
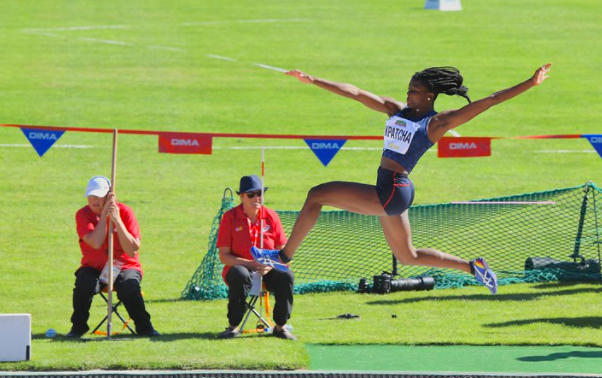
<point x="407" y="284"/>
<point x="385" y="283"/>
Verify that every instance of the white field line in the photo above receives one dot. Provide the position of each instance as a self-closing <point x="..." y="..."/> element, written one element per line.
<point x="200" y="23"/>
<point x="270" y="67"/>
<point x="454" y="133"/>
<point x="168" y="48"/>
<point x="107" y="41"/>
<point x="299" y="148"/>
<point x="44" y="33"/>
<point x="214" y="147"/>
<point x="76" y="28"/>
<point x="158" y="47"/>
<point x="222" y="58"/>
<point x="54" y="146"/>
<point x="290" y="148"/>
<point x="258" y="21"/>
<point x="380" y="149"/>
<point x="566" y="152"/>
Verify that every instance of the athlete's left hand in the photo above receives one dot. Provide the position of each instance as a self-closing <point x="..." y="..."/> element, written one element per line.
<point x="301" y="76"/>
<point x="541" y="74"/>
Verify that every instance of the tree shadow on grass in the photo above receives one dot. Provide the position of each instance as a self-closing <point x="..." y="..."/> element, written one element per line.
<point x="560" y="356"/>
<point x="165" y="337"/>
<point x="490" y="298"/>
<point x="582" y="322"/>
<point x="86" y="338"/>
<point x="561" y="284"/>
<point x="180" y="300"/>
<point x="168" y="337"/>
<point x="204" y="336"/>
<point x="166" y="300"/>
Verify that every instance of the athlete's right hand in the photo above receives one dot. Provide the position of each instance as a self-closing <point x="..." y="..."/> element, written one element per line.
<point x="301" y="76"/>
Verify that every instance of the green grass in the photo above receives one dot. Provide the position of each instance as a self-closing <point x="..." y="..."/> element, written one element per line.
<point x="376" y="45"/>
<point x="542" y="314"/>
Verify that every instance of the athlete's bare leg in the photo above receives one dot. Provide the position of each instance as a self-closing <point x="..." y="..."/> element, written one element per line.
<point x="351" y="196"/>
<point x="399" y="236"/>
<point x="363" y="199"/>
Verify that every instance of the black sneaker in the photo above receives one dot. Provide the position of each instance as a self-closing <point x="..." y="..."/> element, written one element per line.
<point x="152" y="333"/>
<point x="284" y="333"/>
<point x="229" y="333"/>
<point x="75" y="334"/>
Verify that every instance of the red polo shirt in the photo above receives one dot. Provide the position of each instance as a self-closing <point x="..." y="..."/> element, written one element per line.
<point x="234" y="232"/>
<point x="86" y="222"/>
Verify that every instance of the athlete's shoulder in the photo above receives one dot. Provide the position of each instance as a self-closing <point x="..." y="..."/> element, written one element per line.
<point x="392" y="105"/>
<point x="400" y="113"/>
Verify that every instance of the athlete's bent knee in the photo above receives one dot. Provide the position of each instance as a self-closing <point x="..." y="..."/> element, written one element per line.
<point x="407" y="257"/>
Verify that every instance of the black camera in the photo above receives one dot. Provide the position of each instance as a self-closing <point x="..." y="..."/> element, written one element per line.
<point x="363" y="286"/>
<point x="385" y="283"/>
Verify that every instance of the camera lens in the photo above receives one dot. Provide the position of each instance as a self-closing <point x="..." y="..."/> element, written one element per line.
<point x="406" y="284"/>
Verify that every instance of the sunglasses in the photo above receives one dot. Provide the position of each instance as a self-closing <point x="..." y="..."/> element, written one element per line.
<point x="253" y="194"/>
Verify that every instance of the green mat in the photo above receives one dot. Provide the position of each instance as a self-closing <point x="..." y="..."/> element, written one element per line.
<point x="499" y="359"/>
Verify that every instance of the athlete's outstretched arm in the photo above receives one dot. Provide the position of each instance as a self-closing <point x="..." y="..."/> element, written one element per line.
<point x="381" y="104"/>
<point x="450" y="119"/>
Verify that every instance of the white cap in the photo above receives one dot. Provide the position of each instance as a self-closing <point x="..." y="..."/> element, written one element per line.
<point x="98" y="186"/>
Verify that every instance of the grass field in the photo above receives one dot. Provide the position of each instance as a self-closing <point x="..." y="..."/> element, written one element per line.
<point x="192" y="66"/>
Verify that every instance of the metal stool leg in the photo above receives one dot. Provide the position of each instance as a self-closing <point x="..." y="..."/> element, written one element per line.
<point x="255" y="293"/>
<point x="251" y="309"/>
<point x="116" y="313"/>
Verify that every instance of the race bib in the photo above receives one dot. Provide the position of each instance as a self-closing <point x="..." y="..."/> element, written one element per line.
<point x="399" y="133"/>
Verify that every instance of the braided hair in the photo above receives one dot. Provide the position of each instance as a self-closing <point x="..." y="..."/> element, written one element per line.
<point x="445" y="80"/>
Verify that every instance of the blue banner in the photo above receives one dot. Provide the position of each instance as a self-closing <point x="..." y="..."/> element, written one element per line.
<point x="42" y="140"/>
<point x="325" y="149"/>
<point x="596" y="141"/>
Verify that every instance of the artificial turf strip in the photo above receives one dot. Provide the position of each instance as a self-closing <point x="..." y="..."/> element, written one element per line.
<point x="460" y="358"/>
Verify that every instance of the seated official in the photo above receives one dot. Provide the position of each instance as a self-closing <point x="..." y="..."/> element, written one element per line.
<point x="92" y="222"/>
<point x="240" y="229"/>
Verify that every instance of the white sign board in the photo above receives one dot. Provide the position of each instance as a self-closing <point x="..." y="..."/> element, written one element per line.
<point x="15" y="337"/>
<point x="443" y="5"/>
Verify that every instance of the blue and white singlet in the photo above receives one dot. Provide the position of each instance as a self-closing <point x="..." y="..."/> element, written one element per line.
<point x="405" y="140"/>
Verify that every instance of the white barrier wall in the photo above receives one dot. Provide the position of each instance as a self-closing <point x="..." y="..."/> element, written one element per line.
<point x="444" y="5"/>
<point x="15" y="337"/>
